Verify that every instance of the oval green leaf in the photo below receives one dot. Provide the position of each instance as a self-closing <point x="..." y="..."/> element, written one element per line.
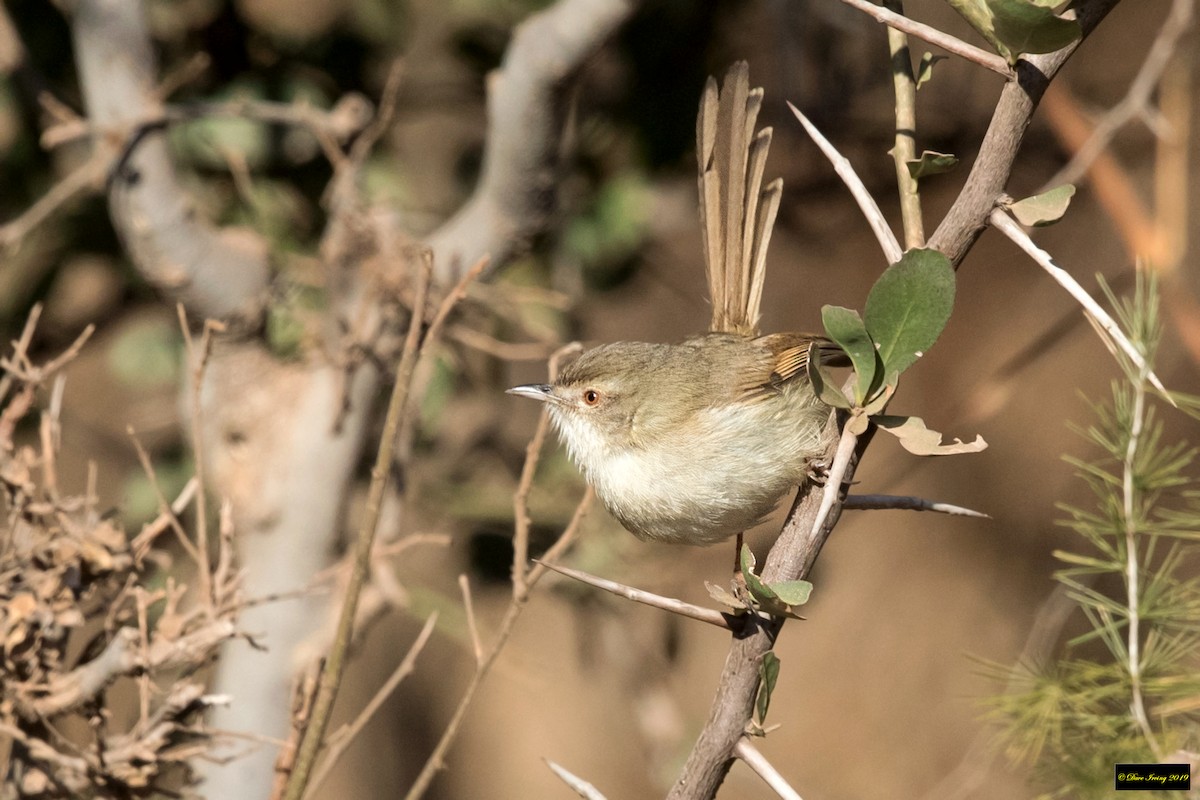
<point x="845" y="327"/>
<point x="909" y="306"/>
<point x="1026" y="27"/>
<point x="824" y="387"/>
<point x="768" y="673"/>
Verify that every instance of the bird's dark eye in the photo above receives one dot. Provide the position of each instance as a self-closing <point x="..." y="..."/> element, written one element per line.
<point x="591" y="397"/>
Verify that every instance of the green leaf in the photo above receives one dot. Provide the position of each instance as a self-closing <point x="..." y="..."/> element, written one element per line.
<point x="768" y="673"/>
<point x="1026" y="27"/>
<point x="1045" y="208"/>
<point x="979" y="16"/>
<point x="909" y="306"/>
<point x="823" y="386"/>
<point x="758" y="590"/>
<point x="794" y="593"/>
<point x="765" y="595"/>
<point x="931" y="163"/>
<point x="845" y="327"/>
<point x="921" y="441"/>
<point x="925" y="67"/>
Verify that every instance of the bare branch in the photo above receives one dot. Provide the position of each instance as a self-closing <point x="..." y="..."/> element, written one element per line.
<point x="215" y="273"/>
<point x="679" y="607"/>
<point x="122" y="657"/>
<point x="951" y="44"/>
<point x="755" y="760"/>
<point x="84" y="178"/>
<point x="1137" y="99"/>
<point x="515" y="193"/>
<point x="904" y="150"/>
<point x="344" y="737"/>
<point x="870" y="209"/>
<point x="1104" y="323"/>
<point x="577" y="784"/>
<point x="865" y="502"/>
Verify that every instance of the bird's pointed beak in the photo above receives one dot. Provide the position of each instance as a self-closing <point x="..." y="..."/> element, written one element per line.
<point x="536" y="391"/>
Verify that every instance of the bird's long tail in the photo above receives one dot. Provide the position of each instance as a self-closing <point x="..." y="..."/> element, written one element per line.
<point x="736" y="213"/>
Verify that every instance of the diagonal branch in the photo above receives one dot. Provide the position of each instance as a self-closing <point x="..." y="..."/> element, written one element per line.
<point x="845" y="170"/>
<point x="689" y="610"/>
<point x="214" y="272"/>
<point x="515" y="195"/>
<point x="968" y="216"/>
<point x="951" y="44"/>
<point x="803" y="535"/>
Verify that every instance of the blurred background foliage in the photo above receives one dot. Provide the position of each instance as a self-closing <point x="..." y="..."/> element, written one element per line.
<point x="876" y="676"/>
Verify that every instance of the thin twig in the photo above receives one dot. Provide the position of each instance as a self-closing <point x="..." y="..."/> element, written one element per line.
<point x="904" y="150"/>
<point x="1130" y="513"/>
<point x="165" y="510"/>
<point x="689" y="610"/>
<point x="345" y="736"/>
<point x="1137" y="100"/>
<point x="755" y="760"/>
<point x="837" y="475"/>
<point x="20" y="350"/>
<point x="870" y="209"/>
<point x="435" y="762"/>
<point x="525" y="484"/>
<point x="331" y="675"/>
<point x="951" y="44"/>
<point x="197" y="357"/>
<point x="1103" y="322"/>
<point x="577" y="784"/>
<point x="151" y="530"/>
<point x="870" y="502"/>
<point x="87" y="176"/>
<point x="378" y="126"/>
<point x="505" y="351"/>
<point x="464" y="585"/>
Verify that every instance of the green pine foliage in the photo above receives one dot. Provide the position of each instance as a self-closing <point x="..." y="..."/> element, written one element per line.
<point x="1128" y="689"/>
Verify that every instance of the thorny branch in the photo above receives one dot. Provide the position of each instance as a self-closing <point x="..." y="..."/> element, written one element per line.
<point x="804" y="533"/>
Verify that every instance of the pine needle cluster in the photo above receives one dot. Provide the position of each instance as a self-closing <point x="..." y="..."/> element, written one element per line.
<point x="1127" y="690"/>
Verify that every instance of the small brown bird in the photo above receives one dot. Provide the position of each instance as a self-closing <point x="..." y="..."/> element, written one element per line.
<point x="694" y="442"/>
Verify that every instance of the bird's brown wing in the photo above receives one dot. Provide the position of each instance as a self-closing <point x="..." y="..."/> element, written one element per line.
<point x="785" y="358"/>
